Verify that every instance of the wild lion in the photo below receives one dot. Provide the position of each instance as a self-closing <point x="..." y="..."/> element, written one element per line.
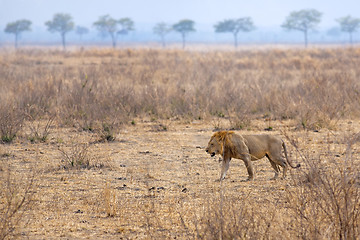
<point x="248" y="148"/>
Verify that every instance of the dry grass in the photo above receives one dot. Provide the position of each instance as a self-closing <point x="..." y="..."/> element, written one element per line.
<point x="90" y="88"/>
<point x="117" y="140"/>
<point x="17" y="190"/>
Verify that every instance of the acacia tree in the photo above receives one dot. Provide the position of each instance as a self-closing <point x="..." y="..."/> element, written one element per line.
<point x="17" y="28"/>
<point x="126" y="25"/>
<point x="162" y="29"/>
<point x="184" y="27"/>
<point x="234" y="26"/>
<point x="303" y="20"/>
<point x="106" y="25"/>
<point x="350" y="25"/>
<point x="61" y="23"/>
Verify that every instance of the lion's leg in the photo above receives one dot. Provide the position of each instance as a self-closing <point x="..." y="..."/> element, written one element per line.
<point x="247" y="160"/>
<point x="280" y="161"/>
<point x="284" y="165"/>
<point x="274" y="166"/>
<point x="285" y="168"/>
<point x="224" y="168"/>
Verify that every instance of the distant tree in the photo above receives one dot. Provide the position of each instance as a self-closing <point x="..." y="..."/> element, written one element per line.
<point x="107" y="25"/>
<point x="126" y="25"/>
<point x="234" y="26"/>
<point x="184" y="27"/>
<point x="17" y="28"/>
<point x="61" y="23"/>
<point x="81" y="31"/>
<point x="350" y="25"/>
<point x="162" y="29"/>
<point x="303" y="20"/>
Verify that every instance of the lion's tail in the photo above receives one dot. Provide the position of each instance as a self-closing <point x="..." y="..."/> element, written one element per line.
<point x="286" y="156"/>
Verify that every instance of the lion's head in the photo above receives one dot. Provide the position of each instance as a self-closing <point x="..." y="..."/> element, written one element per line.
<point x="217" y="142"/>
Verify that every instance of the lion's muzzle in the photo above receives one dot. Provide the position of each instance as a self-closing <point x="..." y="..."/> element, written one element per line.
<point x="211" y="154"/>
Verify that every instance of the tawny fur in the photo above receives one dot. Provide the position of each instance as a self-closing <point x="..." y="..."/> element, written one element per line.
<point x="249" y="148"/>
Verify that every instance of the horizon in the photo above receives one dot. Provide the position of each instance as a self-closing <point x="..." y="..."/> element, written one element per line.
<point x="86" y="12"/>
<point x="146" y="14"/>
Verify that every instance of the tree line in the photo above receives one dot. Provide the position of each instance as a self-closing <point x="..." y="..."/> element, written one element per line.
<point x="304" y="21"/>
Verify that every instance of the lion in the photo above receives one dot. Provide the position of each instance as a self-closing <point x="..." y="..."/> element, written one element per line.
<point x="248" y="148"/>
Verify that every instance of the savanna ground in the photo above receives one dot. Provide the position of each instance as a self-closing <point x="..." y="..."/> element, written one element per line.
<point x="109" y="144"/>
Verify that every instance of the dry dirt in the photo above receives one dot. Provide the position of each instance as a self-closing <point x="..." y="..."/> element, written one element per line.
<point x="155" y="179"/>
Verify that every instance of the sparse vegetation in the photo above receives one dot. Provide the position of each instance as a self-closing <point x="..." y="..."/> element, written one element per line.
<point x="126" y="84"/>
<point x="16" y="195"/>
<point x="11" y="120"/>
<point x="40" y="131"/>
<point x="148" y="115"/>
<point x="76" y="156"/>
<point x="326" y="201"/>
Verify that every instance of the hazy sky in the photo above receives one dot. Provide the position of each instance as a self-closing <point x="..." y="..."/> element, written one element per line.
<point x="265" y="13"/>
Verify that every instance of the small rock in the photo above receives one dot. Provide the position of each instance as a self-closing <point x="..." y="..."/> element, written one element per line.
<point x="121" y="178"/>
<point x="121" y="188"/>
<point x="145" y="152"/>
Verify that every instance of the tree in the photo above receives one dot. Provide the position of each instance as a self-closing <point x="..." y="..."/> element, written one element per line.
<point x="349" y="24"/>
<point x="234" y="26"/>
<point x="61" y="23"/>
<point x="107" y="25"/>
<point x="184" y="27"/>
<point x="303" y="20"/>
<point x="162" y="29"/>
<point x="126" y="25"/>
<point x="81" y="31"/>
<point x="17" y="28"/>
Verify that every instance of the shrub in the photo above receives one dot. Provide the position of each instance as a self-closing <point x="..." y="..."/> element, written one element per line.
<point x="77" y="156"/>
<point x="236" y="218"/>
<point x="15" y="199"/>
<point x="80" y="156"/>
<point x="11" y="121"/>
<point x="40" y="131"/>
<point x="326" y="201"/>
